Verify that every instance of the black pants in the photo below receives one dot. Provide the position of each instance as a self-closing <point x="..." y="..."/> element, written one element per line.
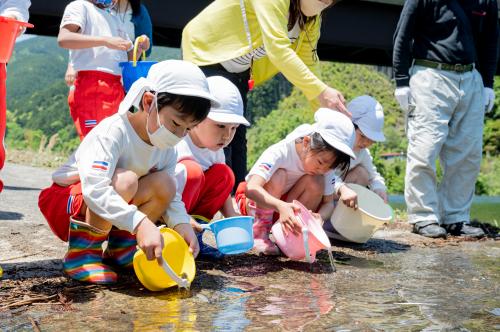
<point x="236" y="152"/>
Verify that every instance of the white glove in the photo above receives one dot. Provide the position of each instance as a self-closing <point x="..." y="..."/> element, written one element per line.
<point x="403" y="97"/>
<point x="489" y="99"/>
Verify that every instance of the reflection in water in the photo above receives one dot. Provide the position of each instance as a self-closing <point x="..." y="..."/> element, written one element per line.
<point x="232" y="316"/>
<point x="171" y="314"/>
<point x="292" y="307"/>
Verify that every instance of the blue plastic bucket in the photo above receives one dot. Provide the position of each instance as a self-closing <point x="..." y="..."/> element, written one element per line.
<point x="233" y="235"/>
<point x="131" y="73"/>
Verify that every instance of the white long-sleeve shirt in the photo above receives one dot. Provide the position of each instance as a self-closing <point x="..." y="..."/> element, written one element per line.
<point x="17" y="8"/>
<point x="364" y="158"/>
<point x="113" y="144"/>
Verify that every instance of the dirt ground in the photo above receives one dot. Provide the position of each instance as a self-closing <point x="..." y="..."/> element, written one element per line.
<point x="30" y="254"/>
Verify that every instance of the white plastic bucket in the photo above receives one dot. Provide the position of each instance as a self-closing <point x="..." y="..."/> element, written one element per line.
<point x="359" y="225"/>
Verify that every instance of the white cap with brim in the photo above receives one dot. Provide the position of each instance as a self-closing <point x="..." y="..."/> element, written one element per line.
<point x="230" y="109"/>
<point x="336" y="129"/>
<point x="173" y="76"/>
<point x="368" y="115"/>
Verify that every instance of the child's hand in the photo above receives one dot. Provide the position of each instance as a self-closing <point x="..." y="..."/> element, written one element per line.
<point x="288" y="218"/>
<point x="186" y="231"/>
<point x="318" y="217"/>
<point x="117" y="43"/>
<point x="348" y="197"/>
<point x="144" y="44"/>
<point x="382" y="194"/>
<point x="149" y="239"/>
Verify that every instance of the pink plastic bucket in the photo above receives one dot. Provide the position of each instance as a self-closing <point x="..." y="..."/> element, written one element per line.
<point x="305" y="245"/>
<point x="9" y="28"/>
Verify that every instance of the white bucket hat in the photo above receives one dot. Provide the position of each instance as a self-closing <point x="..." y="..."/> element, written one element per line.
<point x="336" y="129"/>
<point x="229" y="97"/>
<point x="368" y="115"/>
<point x="172" y="76"/>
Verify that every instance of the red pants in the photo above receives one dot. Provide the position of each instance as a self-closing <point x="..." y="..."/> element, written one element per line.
<point x="58" y="204"/>
<point x="205" y="192"/>
<point x="3" y="115"/>
<point x="97" y="95"/>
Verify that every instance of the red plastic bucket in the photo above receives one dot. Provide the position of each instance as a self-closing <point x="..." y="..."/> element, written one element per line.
<point x="9" y="28"/>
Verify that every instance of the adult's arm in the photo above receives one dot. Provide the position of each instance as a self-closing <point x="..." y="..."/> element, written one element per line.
<point x="272" y="17"/>
<point x="403" y="39"/>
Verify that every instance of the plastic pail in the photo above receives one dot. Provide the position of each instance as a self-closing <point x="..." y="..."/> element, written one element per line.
<point x="359" y="225"/>
<point x="133" y="70"/>
<point x="178" y="264"/>
<point x="304" y="245"/>
<point x="233" y="235"/>
<point x="9" y="28"/>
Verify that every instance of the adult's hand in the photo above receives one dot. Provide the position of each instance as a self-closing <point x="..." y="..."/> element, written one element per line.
<point x="489" y="99"/>
<point x="403" y="95"/>
<point x="333" y="99"/>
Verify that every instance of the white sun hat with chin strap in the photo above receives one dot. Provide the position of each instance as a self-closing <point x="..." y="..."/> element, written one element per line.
<point x="173" y="76"/>
<point x="231" y="104"/>
<point x="336" y="129"/>
<point x="368" y="115"/>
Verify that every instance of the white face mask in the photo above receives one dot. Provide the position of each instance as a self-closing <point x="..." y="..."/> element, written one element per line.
<point x="162" y="138"/>
<point x="312" y="8"/>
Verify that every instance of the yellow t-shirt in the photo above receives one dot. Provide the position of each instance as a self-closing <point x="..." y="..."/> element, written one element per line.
<point x="218" y="34"/>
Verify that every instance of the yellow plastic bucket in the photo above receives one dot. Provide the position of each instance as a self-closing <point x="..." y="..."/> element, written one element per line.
<point x="359" y="225"/>
<point x="178" y="266"/>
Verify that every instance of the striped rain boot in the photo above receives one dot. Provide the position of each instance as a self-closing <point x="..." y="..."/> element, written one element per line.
<point x="206" y="251"/>
<point x="83" y="261"/>
<point x="122" y="246"/>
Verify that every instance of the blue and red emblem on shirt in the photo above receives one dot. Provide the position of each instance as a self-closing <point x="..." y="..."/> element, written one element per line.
<point x="265" y="166"/>
<point x="90" y="123"/>
<point x="100" y="165"/>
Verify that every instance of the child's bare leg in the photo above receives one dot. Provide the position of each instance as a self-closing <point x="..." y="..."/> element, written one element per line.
<point x="264" y="215"/>
<point x="358" y="175"/>
<point x="308" y="190"/>
<point x="155" y="193"/>
<point x="125" y="183"/>
<point x="275" y="186"/>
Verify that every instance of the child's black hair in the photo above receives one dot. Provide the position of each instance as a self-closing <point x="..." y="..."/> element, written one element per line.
<point x="196" y="108"/>
<point x="342" y="160"/>
<point x="297" y="15"/>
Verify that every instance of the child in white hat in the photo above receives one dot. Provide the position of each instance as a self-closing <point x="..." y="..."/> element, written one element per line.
<point x="203" y="178"/>
<point x="300" y="167"/>
<point x="122" y="175"/>
<point x="368" y="120"/>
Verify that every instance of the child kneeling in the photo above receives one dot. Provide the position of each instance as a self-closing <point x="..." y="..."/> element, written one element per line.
<point x="203" y="179"/>
<point x="300" y="167"/>
<point x="122" y="175"/>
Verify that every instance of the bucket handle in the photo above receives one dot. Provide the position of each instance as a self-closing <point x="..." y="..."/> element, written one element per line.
<point x="181" y="281"/>
<point x="136" y="47"/>
<point x="305" y="236"/>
